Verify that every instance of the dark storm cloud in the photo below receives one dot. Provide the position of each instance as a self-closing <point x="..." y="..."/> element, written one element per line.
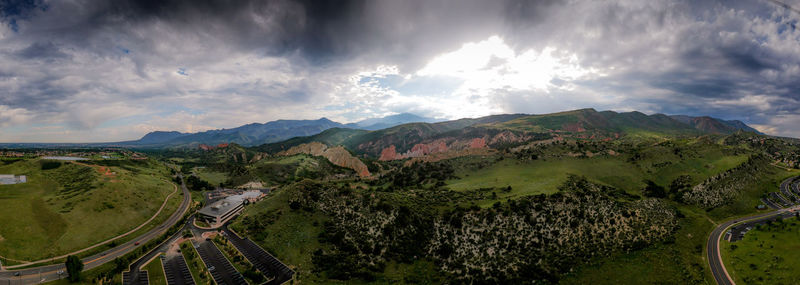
<point x="42" y="50"/>
<point x="285" y="57"/>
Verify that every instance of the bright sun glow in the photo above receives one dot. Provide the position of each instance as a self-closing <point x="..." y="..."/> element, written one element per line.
<point x="492" y="64"/>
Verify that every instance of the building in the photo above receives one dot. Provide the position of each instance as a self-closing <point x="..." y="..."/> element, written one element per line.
<point x="221" y="211"/>
<point x="11" y="179"/>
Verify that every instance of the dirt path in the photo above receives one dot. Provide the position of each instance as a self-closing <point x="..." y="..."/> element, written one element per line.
<point x="27" y="263"/>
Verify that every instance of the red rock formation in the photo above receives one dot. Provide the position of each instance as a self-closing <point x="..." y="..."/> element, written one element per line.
<point x="477" y="143"/>
<point x="222" y="145"/>
<point x="389" y="153"/>
<point x="337" y="155"/>
<point x="205" y="147"/>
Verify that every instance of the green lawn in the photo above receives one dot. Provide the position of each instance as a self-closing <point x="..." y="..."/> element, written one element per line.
<point x="44" y="222"/>
<point x="767" y="255"/>
<point x="155" y="272"/>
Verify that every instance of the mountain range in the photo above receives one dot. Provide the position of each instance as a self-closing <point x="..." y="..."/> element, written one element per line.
<point x="410" y="128"/>
<point x="419" y="139"/>
<point x="274" y="131"/>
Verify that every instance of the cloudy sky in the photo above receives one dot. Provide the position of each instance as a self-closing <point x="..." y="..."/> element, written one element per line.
<point x="89" y="71"/>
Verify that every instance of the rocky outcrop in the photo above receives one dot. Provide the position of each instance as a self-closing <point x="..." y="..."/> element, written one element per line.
<point x="337" y="155"/>
<point x="418" y="150"/>
<point x="436" y="147"/>
<point x="477" y="143"/>
<point x="211" y="147"/>
<point x="389" y="153"/>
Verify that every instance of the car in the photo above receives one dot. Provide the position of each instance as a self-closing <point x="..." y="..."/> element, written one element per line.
<point x="16" y="274"/>
<point x="136" y="243"/>
<point x="211" y="268"/>
<point x="60" y="272"/>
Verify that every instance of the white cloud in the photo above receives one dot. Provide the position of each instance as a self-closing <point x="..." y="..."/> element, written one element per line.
<point x="492" y="64"/>
<point x="14" y="116"/>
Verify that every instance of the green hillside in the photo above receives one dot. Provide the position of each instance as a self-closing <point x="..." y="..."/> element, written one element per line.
<point x="431" y="220"/>
<point x="72" y="206"/>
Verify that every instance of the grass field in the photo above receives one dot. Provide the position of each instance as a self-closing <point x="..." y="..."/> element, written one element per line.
<point x="213" y="177"/>
<point x="545" y="175"/>
<point x="155" y="272"/>
<point x="49" y="222"/>
<point x="767" y="255"/>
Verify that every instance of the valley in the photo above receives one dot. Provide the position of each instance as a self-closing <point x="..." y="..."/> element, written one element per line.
<point x="573" y="198"/>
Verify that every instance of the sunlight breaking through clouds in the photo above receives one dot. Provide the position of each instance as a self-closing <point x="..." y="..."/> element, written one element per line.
<point x="481" y="69"/>
<point x="492" y="64"/>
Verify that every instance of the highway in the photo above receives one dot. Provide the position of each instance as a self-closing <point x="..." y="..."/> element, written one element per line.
<point x="718" y="269"/>
<point x="46" y="273"/>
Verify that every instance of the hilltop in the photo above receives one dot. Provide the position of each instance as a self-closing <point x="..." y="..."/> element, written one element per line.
<point x="503" y="131"/>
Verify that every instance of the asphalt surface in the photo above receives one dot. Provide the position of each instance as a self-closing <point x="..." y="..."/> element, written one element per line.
<point x="224" y="272"/>
<point x="786" y="189"/>
<point x="134" y="276"/>
<point x="712" y="246"/>
<point x="177" y="271"/>
<point x="46" y="273"/>
<point x="263" y="261"/>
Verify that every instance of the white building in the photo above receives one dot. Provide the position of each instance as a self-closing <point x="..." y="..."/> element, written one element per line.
<point x="11" y="179"/>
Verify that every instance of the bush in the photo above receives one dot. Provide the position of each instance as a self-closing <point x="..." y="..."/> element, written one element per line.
<point x="49" y="164"/>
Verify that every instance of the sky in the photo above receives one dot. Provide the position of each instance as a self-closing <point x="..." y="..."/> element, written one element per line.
<point x="100" y="71"/>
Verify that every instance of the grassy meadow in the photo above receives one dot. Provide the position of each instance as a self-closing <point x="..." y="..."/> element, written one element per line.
<point x="213" y="177"/>
<point x="73" y="206"/>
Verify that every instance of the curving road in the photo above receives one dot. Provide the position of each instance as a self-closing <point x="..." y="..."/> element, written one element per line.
<point x="51" y="272"/>
<point x="718" y="270"/>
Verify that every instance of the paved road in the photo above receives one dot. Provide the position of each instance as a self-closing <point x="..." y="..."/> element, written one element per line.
<point x="786" y="189"/>
<point x="718" y="270"/>
<point x="50" y="272"/>
<point x="133" y="276"/>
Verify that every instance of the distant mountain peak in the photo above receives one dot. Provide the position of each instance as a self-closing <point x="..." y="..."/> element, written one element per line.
<point x="390" y="121"/>
<point x="714" y="125"/>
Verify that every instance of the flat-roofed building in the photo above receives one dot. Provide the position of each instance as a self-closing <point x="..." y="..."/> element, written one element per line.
<point x="12" y="179"/>
<point x="222" y="210"/>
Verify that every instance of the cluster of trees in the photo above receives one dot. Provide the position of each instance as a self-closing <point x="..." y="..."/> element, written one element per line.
<point x="532" y="238"/>
<point x="417" y="175"/>
<point x="724" y="187"/>
<point x="194" y="183"/>
<point x="542" y="237"/>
